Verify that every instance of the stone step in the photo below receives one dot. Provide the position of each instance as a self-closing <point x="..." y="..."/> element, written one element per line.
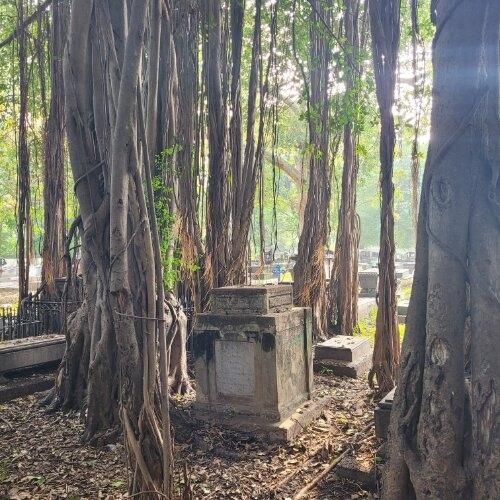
<point x="31" y="351"/>
<point x="342" y="348"/>
<point x="351" y="369"/>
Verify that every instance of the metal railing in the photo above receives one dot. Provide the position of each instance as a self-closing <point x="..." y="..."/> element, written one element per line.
<point x="34" y="318"/>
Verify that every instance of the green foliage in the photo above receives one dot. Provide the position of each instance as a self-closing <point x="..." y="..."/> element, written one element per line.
<point x="163" y="194"/>
<point x="367" y="326"/>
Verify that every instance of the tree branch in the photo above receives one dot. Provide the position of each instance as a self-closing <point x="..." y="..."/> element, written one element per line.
<point x="38" y="12"/>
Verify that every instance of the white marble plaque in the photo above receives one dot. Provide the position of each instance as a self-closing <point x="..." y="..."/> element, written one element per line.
<point x="234" y="368"/>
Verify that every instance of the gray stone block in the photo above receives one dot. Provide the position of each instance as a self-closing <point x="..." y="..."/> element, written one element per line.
<point x="251" y="299"/>
<point x="342" y="348"/>
<point x="382" y="415"/>
<point x="368" y="282"/>
<point x="258" y="366"/>
<point x="31" y="351"/>
<point x="351" y="369"/>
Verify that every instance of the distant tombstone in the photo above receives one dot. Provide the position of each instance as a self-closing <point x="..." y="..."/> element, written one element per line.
<point x="368" y="282"/>
<point x="344" y="355"/>
<point x="253" y="353"/>
<point x="365" y="255"/>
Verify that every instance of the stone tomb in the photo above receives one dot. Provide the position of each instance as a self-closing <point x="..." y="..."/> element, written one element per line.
<point x="253" y="359"/>
<point x="382" y="415"/>
<point x="344" y="355"/>
<point x="368" y="282"/>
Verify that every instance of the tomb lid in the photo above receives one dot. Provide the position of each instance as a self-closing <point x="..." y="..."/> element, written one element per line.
<point x="251" y="299"/>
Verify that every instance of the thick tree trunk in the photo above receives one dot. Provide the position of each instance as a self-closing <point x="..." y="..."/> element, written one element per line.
<point x="246" y="176"/>
<point x="309" y="270"/>
<point x="218" y="218"/>
<point x="53" y="175"/>
<point x="444" y="437"/>
<point x="118" y="335"/>
<point x="418" y="91"/>
<point x="343" y="299"/>
<point x="385" y="29"/>
<point x="186" y="46"/>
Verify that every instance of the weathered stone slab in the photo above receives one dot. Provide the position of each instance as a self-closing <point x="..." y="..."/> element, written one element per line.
<point x="251" y="299"/>
<point x="31" y="351"/>
<point x="234" y="367"/>
<point x="255" y="365"/>
<point x="25" y="387"/>
<point x="342" y="348"/>
<point x="382" y="415"/>
<point x="283" y="431"/>
<point x="351" y="369"/>
<point x="350" y="467"/>
<point x="368" y="282"/>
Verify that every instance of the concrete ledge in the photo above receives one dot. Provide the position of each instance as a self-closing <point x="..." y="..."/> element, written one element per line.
<point x="351" y="369"/>
<point x="283" y="431"/>
<point x="25" y="387"/>
<point x="31" y="351"/>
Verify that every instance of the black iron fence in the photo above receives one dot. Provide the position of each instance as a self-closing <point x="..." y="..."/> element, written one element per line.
<point x="35" y="317"/>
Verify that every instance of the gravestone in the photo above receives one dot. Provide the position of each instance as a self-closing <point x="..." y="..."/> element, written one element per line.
<point x="344" y="355"/>
<point x="382" y="415"/>
<point x="368" y="282"/>
<point x="253" y="357"/>
<point x="402" y="310"/>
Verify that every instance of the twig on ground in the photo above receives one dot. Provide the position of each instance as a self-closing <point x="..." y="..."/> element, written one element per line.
<point x="309" y="486"/>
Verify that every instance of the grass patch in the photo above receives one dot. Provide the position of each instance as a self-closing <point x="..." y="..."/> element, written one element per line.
<point x="367" y="326"/>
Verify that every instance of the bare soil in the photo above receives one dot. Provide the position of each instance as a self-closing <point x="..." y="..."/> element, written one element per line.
<point x="41" y="455"/>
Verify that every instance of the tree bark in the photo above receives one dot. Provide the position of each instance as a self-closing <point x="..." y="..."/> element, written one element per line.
<point x="385" y="29"/>
<point x="117" y="337"/>
<point x="217" y="220"/>
<point x="343" y="291"/>
<point x="309" y="270"/>
<point x="53" y="175"/>
<point x="24" y="229"/>
<point x="444" y="436"/>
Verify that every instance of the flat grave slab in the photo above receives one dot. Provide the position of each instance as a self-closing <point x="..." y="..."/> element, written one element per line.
<point x="31" y="351"/>
<point x="344" y="355"/>
<point x="342" y="348"/>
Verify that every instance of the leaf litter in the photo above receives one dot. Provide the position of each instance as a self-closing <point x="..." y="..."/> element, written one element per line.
<point x="42" y="456"/>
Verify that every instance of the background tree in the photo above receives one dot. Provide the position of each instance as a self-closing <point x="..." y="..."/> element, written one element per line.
<point x="309" y="270"/>
<point x="24" y="222"/>
<point x="385" y="31"/>
<point x="54" y="182"/>
<point x="344" y="286"/>
<point x="444" y="426"/>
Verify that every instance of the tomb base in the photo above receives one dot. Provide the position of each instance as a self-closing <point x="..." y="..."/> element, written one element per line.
<point x="282" y="432"/>
<point x="344" y="355"/>
<point x="253" y="356"/>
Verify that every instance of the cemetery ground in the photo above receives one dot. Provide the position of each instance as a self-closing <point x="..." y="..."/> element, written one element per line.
<point x="42" y="456"/>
